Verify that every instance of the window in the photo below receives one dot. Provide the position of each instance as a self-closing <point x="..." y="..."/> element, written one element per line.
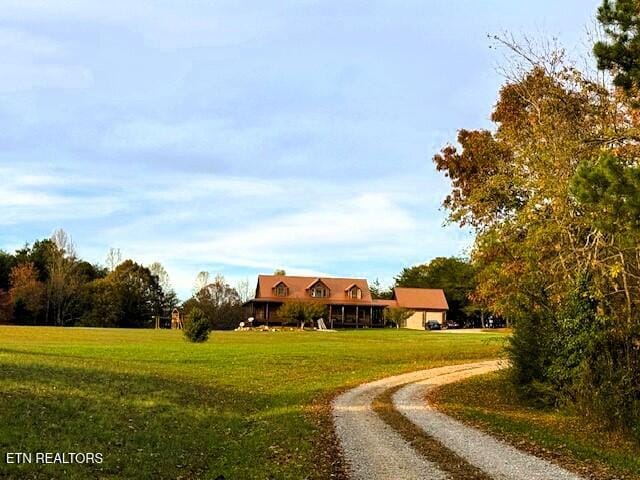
<point x="355" y="293"/>
<point x="319" y="291"/>
<point x="281" y="290"/>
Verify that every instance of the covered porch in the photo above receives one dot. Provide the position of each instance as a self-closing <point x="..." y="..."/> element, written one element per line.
<point x="337" y="315"/>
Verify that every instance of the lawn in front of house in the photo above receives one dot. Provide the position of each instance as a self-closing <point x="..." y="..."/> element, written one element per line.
<point x="491" y="403"/>
<point x="240" y="405"/>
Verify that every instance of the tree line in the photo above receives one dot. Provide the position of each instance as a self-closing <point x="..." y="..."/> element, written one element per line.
<point x="553" y="194"/>
<point x="48" y="284"/>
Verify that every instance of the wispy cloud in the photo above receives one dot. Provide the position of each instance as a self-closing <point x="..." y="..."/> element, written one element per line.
<point x="243" y="137"/>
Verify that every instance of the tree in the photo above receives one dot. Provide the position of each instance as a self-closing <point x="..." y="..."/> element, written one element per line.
<point x="114" y="258"/>
<point x="244" y="292"/>
<point x="7" y="262"/>
<point x="130" y="296"/>
<point x="140" y="293"/>
<point x="279" y="271"/>
<point x="169" y="297"/>
<point x="39" y="254"/>
<point x="196" y="326"/>
<point x="396" y="316"/>
<point x="6" y="307"/>
<point x="377" y="291"/>
<point x="26" y="293"/>
<point x="552" y="193"/>
<point x="220" y="303"/>
<point x="620" y="20"/>
<point x="301" y="312"/>
<point x="159" y="271"/>
<point x="102" y="304"/>
<point x="201" y="281"/>
<point x="63" y="283"/>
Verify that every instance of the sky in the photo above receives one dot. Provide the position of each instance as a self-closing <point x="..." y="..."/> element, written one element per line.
<point x="239" y="137"/>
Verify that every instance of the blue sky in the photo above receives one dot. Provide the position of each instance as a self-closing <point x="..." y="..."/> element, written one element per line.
<point x="240" y="137"/>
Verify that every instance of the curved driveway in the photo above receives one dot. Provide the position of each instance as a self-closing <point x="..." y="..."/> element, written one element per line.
<point x="375" y="451"/>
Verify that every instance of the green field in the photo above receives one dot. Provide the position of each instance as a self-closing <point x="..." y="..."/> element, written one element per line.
<point x="244" y="404"/>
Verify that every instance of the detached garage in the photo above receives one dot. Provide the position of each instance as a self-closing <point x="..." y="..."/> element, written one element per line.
<point x="427" y="304"/>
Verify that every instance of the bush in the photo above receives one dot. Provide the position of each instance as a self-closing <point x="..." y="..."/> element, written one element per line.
<point x="579" y="358"/>
<point x="196" y="326"/>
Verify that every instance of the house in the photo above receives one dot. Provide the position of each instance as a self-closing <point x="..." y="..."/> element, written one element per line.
<point x="348" y="300"/>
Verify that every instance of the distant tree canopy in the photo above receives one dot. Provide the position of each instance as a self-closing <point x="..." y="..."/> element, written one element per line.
<point x="456" y="276"/>
<point x="220" y="303"/>
<point x="47" y="284"/>
<point x="377" y="291"/>
<point x="131" y="293"/>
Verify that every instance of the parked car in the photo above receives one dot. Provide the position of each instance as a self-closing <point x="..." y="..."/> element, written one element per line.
<point x="432" y="325"/>
<point x="453" y="325"/>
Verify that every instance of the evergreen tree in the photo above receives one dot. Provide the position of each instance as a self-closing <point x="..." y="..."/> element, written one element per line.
<point x="621" y="53"/>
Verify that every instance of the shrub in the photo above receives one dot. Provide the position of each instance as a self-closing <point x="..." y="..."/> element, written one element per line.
<point x="196" y="326"/>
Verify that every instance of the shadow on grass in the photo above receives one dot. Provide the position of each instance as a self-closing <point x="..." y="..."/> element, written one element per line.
<point x="145" y="425"/>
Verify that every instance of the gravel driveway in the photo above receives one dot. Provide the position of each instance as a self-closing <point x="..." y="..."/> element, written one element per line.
<point x="375" y="451"/>
<point x="496" y="458"/>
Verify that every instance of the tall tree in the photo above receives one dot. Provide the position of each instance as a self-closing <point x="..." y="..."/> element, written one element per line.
<point x="201" y="281"/>
<point x="7" y="262"/>
<point x="130" y="296"/>
<point x="63" y="282"/>
<point x="244" y="291"/>
<point x="378" y="291"/>
<point x="27" y="293"/>
<point x="620" y="20"/>
<point x="140" y="294"/>
<point x="220" y="302"/>
<point x="39" y="254"/>
<point x="114" y="258"/>
<point x="559" y="253"/>
<point x="169" y="297"/>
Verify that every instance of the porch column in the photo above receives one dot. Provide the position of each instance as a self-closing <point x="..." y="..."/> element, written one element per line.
<point x="343" y="315"/>
<point x="266" y="314"/>
<point x="357" y="316"/>
<point x="371" y="316"/>
<point x="330" y="317"/>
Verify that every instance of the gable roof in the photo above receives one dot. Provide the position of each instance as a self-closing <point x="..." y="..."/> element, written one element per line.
<point x="316" y="281"/>
<point x="425" y="298"/>
<point x="298" y="288"/>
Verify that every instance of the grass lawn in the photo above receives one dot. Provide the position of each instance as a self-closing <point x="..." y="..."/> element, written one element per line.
<point x="243" y="405"/>
<point x="490" y="403"/>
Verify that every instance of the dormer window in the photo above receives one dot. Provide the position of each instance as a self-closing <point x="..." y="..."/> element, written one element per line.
<point x="318" y="290"/>
<point x="354" y="293"/>
<point x="281" y="290"/>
